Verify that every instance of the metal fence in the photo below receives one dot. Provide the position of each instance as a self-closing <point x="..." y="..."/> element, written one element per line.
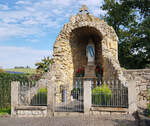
<point x="109" y="94"/>
<point x="69" y="96"/>
<point x="32" y="94"/>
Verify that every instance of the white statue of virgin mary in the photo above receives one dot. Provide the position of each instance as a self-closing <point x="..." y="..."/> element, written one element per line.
<point x="90" y="52"/>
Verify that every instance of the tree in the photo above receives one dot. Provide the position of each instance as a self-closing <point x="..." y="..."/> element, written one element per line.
<point x="131" y="22"/>
<point x="28" y="67"/>
<point x="43" y="66"/>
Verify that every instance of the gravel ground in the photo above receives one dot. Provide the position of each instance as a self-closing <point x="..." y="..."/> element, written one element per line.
<point x="116" y="120"/>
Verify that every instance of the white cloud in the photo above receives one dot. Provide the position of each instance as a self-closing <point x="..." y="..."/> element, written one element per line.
<point x="23" y="2"/>
<point x="3" y="7"/>
<point x="57" y="11"/>
<point x="98" y="12"/>
<point x="21" y="56"/>
<point x="35" y="18"/>
<point x="11" y="30"/>
<point x="41" y="15"/>
<point x="62" y="2"/>
<point x="33" y="40"/>
<point x="90" y="3"/>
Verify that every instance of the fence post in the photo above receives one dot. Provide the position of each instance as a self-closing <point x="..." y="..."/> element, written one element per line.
<point x="132" y="96"/>
<point x="50" y="99"/>
<point x="14" y="96"/>
<point x="87" y="95"/>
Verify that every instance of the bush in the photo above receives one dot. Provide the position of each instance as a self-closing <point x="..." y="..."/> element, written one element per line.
<point x="5" y="87"/>
<point x="5" y="111"/>
<point x="101" y="95"/>
<point x="40" y="99"/>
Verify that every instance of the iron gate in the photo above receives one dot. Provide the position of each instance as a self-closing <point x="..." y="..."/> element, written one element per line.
<point x="32" y="94"/>
<point x="69" y="97"/>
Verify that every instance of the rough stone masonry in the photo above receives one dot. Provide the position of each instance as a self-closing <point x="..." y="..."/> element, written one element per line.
<point x="70" y="48"/>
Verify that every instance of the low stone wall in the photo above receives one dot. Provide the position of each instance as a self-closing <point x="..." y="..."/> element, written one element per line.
<point x="142" y="78"/>
<point x="108" y="111"/>
<point x="31" y="111"/>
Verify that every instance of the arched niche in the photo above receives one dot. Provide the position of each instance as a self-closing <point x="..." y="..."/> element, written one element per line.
<point x="79" y="38"/>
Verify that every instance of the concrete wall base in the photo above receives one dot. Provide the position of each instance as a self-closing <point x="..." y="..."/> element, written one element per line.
<point x="31" y="111"/>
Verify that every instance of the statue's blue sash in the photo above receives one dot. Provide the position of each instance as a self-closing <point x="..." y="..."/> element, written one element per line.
<point x="91" y="50"/>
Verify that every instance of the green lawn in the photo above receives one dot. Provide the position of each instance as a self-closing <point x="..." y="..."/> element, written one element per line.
<point x="25" y="70"/>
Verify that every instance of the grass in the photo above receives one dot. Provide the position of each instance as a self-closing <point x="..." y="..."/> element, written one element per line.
<point x="25" y="70"/>
<point x="5" y="111"/>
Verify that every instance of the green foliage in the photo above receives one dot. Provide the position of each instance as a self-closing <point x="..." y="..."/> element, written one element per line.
<point x="148" y="110"/>
<point x="130" y="19"/>
<point x="42" y="90"/>
<point x="80" y="72"/>
<point x="40" y="99"/>
<point x="5" y="111"/>
<point x="101" y="95"/>
<point x="5" y="87"/>
<point x="148" y="95"/>
<point x="43" y="66"/>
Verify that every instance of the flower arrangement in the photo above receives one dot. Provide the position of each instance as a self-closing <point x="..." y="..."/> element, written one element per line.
<point x="99" y="70"/>
<point x="80" y="72"/>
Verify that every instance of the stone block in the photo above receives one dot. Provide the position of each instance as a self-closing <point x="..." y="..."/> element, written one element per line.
<point x="87" y="96"/>
<point x="90" y="71"/>
<point x="132" y="96"/>
<point x="14" y="97"/>
<point x="143" y="87"/>
<point x="105" y="113"/>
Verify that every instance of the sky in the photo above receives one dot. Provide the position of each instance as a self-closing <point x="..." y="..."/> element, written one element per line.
<point x="28" y="28"/>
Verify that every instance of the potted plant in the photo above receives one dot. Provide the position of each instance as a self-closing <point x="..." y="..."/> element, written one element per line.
<point x="99" y="70"/>
<point x="80" y="72"/>
<point x="101" y="95"/>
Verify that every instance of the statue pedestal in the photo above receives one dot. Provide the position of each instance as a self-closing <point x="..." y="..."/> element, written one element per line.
<point x="90" y="70"/>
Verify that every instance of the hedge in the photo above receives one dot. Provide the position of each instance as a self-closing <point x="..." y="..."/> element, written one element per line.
<point x="5" y="87"/>
<point x="101" y="95"/>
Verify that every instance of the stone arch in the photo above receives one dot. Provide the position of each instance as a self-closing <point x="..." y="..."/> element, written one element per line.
<point x="108" y="41"/>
